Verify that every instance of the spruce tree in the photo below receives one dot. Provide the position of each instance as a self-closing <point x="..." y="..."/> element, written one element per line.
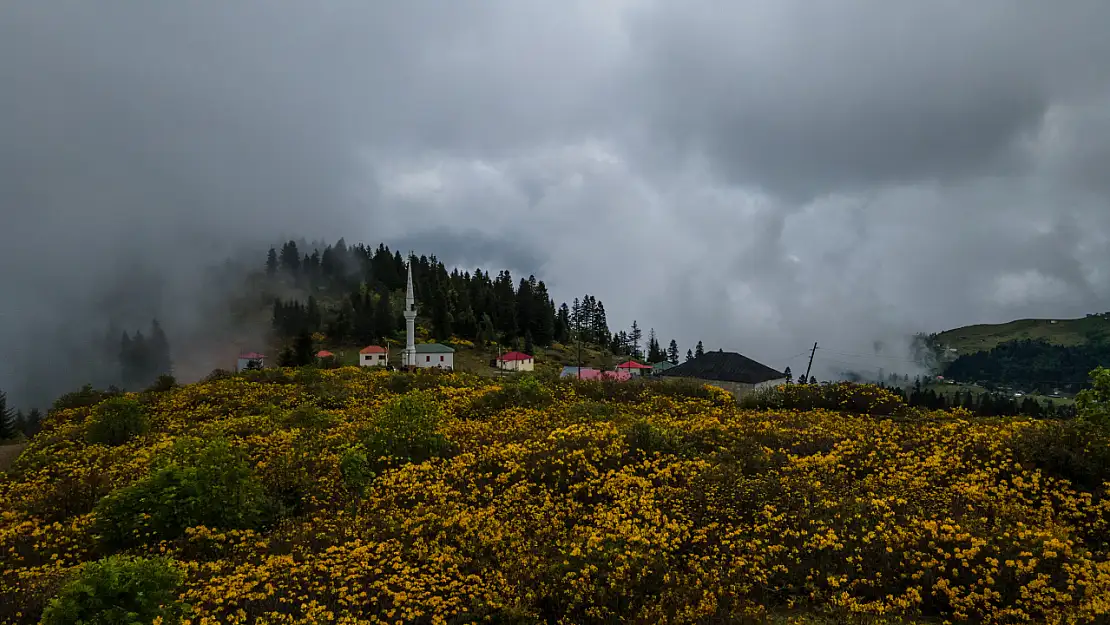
<point x="7" y="418"/>
<point x="159" y="345"/>
<point x="654" y="353"/>
<point x="789" y="376"/>
<point x="689" y="355"/>
<point x="303" y="353"/>
<point x="529" y="347"/>
<point x="563" y="324"/>
<point x="699" y="351"/>
<point x="271" y="262"/>
<point x="32" y="423"/>
<point x="672" y="352"/>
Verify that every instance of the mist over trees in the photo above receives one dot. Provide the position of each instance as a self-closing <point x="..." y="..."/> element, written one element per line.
<point x="355" y="294"/>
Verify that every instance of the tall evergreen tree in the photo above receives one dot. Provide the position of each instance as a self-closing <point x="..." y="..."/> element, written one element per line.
<point x="699" y="351"/>
<point x="7" y="418"/>
<point x="303" y="352"/>
<point x="789" y="375"/>
<point x="599" y="324"/>
<point x="159" y="346"/>
<point x="529" y="346"/>
<point x="32" y="423"/>
<point x="654" y="353"/>
<point x="672" y="352"/>
<point x="563" y="324"/>
<point x="271" y="262"/>
<point x="689" y="355"/>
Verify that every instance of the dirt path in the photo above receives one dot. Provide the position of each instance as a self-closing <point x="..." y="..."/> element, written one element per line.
<point x="8" y="454"/>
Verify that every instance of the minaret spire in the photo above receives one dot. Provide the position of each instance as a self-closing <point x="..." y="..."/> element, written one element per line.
<point x="408" y="357"/>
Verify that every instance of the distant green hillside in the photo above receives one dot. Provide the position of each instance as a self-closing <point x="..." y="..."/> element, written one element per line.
<point x="1063" y="332"/>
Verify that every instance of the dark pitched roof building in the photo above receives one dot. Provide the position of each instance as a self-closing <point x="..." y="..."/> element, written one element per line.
<point x="724" y="367"/>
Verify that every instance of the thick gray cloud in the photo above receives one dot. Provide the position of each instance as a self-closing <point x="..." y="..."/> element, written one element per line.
<point x="757" y="174"/>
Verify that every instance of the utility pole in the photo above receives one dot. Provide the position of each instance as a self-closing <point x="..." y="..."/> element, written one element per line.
<point x="810" y="366"/>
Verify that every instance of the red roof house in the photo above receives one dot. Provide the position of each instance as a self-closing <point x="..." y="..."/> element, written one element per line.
<point x="632" y="367"/>
<point x="373" y="356"/>
<point x="323" y="353"/>
<point x="516" y="361"/>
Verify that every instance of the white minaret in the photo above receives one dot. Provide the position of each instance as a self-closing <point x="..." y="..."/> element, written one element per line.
<point x="408" y="357"/>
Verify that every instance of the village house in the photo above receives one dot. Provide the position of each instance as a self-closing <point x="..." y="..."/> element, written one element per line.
<point x="435" y="356"/>
<point x="324" y="354"/>
<point x="633" y="368"/>
<point x="589" y="373"/>
<point x="516" y="361"/>
<point x="659" y="367"/>
<point x="250" y="360"/>
<point x="730" y="371"/>
<point x="373" y="356"/>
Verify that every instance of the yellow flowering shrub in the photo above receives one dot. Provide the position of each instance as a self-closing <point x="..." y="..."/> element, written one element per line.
<point x="445" y="498"/>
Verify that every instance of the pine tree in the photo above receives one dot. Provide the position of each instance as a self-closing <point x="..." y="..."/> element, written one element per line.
<point x="599" y="323"/>
<point x="654" y="353"/>
<point x="32" y="423"/>
<point x="529" y="347"/>
<point x="634" y="337"/>
<point x="672" y="352"/>
<point x="7" y="418"/>
<point x="689" y="355"/>
<point x="303" y="353"/>
<point x="813" y="379"/>
<point x="789" y="376"/>
<point x="271" y="262"/>
<point x="160" y="361"/>
<point x="699" y="351"/>
<point x="563" y="324"/>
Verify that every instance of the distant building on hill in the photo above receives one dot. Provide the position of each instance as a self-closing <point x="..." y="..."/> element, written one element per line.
<point x="730" y="371"/>
<point x="250" y="360"/>
<point x="589" y="373"/>
<point x="373" y="356"/>
<point x="633" y="368"/>
<point x="434" y="356"/>
<point x="516" y="361"/>
<point x="659" y="367"/>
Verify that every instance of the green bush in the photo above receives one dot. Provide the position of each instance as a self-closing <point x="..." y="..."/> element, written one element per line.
<point x="116" y="421"/>
<point x="355" y="467"/>
<point x="406" y="430"/>
<point x="647" y="439"/>
<point x="308" y="417"/>
<point x="84" y="398"/>
<point x="215" y="488"/>
<point x="590" y="410"/>
<point x="118" y="590"/>
<point x="527" y="392"/>
<point x="840" y="396"/>
<point x="1093" y="405"/>
<point x="1077" y="451"/>
<point x="163" y="383"/>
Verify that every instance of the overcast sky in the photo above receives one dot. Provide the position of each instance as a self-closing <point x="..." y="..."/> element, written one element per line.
<point x="759" y="175"/>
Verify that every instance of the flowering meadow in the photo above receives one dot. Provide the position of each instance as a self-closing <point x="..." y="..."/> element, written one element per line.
<point x="348" y="496"/>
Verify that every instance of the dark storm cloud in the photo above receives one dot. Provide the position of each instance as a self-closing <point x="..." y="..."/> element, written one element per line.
<point x="757" y="175"/>
<point x="804" y="98"/>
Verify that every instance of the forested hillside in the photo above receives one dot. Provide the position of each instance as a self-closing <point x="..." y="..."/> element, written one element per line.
<point x="1094" y="328"/>
<point x="355" y="294"/>
<point x="1033" y="366"/>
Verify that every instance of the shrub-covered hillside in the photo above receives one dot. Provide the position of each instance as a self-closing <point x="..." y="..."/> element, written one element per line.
<point x="346" y="496"/>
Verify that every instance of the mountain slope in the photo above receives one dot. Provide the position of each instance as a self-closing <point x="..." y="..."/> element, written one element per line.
<point x="1063" y="332"/>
